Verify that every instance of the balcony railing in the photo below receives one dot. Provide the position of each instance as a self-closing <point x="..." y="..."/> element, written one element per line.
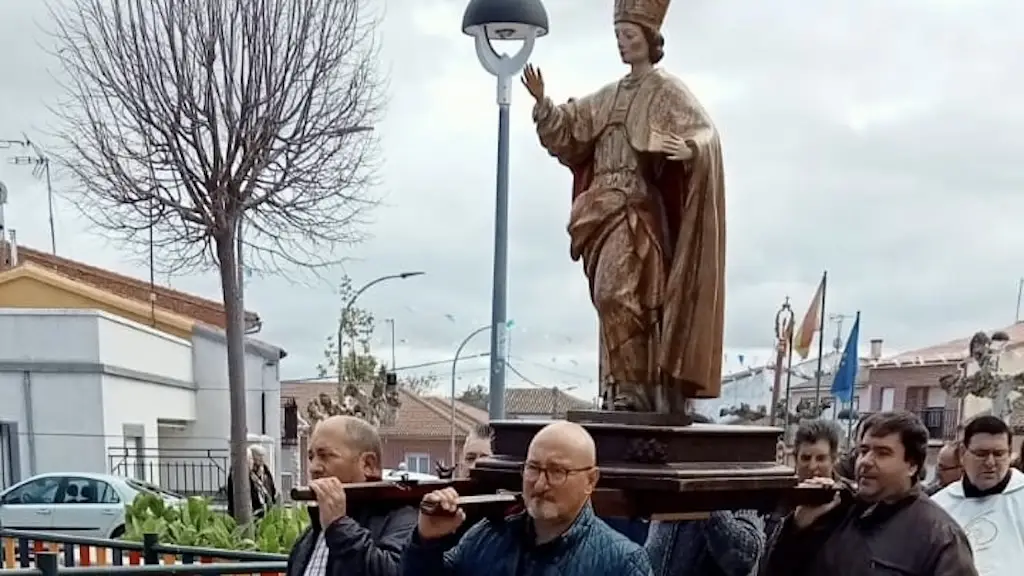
<point x="941" y="422"/>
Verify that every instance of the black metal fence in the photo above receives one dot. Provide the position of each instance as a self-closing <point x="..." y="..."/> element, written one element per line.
<point x="941" y="423"/>
<point x="46" y="554"/>
<point x="187" y="471"/>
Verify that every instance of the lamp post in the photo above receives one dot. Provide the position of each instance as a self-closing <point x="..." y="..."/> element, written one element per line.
<point x="3" y="224"/>
<point x="783" y="346"/>
<point x="348" y="307"/>
<point x="455" y="362"/>
<point x="391" y="322"/>
<point x="487" y="20"/>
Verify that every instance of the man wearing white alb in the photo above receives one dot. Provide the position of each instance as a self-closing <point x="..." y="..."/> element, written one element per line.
<point x="989" y="501"/>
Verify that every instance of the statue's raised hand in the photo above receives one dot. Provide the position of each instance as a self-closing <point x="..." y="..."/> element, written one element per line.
<point x="534" y="82"/>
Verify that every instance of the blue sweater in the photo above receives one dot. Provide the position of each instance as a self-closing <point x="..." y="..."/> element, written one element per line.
<point x="506" y="548"/>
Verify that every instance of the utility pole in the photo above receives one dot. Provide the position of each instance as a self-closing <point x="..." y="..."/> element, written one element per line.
<point x="1020" y="294"/>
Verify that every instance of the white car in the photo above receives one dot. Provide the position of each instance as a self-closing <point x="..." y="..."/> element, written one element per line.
<point x="75" y="504"/>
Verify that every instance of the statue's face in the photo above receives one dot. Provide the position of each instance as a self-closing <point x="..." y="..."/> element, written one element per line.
<point x="633" y="46"/>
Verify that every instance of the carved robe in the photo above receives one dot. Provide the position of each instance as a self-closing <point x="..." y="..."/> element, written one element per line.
<point x="650" y="233"/>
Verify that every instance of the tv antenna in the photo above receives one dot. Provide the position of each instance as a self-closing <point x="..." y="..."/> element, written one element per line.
<point x="40" y="163"/>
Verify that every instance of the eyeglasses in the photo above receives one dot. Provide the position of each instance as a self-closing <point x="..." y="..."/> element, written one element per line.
<point x="555" y="475"/>
<point x="997" y="455"/>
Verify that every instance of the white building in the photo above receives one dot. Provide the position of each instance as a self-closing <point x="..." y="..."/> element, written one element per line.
<point x="753" y="386"/>
<point x="86" y="390"/>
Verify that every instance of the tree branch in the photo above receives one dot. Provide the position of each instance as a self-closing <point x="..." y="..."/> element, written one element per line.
<point x="184" y="116"/>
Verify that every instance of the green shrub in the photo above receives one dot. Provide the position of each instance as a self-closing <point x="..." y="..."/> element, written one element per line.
<point x="195" y="523"/>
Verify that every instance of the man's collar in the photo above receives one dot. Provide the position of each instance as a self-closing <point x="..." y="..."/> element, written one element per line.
<point x="566" y="540"/>
<point x="972" y="491"/>
<point x="875" y="513"/>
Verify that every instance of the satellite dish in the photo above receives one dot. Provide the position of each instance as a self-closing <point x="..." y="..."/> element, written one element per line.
<point x="3" y="193"/>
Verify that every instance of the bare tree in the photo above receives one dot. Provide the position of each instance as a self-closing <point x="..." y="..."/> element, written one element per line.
<point x="185" y="122"/>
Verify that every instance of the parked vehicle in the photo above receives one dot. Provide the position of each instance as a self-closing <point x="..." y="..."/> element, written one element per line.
<point x="403" y="474"/>
<point x="73" y="503"/>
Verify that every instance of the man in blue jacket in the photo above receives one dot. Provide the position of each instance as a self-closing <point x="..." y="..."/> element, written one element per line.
<point x="558" y="533"/>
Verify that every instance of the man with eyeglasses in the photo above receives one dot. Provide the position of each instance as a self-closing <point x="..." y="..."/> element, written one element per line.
<point x="557" y="534"/>
<point x="989" y="501"/>
<point x="947" y="468"/>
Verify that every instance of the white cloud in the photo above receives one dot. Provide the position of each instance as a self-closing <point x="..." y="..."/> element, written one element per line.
<point x="878" y="139"/>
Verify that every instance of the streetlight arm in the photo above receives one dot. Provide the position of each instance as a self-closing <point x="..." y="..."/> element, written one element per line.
<point x="503" y="66"/>
<point x="348" y="306"/>
<point x="455" y="362"/>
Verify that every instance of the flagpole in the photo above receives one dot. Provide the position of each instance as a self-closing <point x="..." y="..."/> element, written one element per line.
<point x="821" y="343"/>
<point x="849" y="420"/>
<point x="853" y="393"/>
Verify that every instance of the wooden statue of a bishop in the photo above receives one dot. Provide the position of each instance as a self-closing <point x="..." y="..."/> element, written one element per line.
<point x="647" y="220"/>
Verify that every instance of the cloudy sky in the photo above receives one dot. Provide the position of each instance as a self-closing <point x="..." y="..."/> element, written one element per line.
<point x="878" y="139"/>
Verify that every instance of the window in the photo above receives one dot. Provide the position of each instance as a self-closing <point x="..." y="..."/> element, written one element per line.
<point x="419" y="463"/>
<point x="38" y="491"/>
<point x="6" y="455"/>
<point x="88" y="491"/>
<point x="888" y="399"/>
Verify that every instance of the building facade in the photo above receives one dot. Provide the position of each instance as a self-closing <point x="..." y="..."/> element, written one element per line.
<point x="104" y="373"/>
<point x="910" y="381"/>
<point x="87" y="391"/>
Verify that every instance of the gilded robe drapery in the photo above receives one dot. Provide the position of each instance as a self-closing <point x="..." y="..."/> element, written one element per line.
<point x="675" y="217"/>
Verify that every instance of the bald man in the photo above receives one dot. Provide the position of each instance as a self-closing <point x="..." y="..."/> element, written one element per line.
<point x="339" y="541"/>
<point x="948" y="468"/>
<point x="557" y="534"/>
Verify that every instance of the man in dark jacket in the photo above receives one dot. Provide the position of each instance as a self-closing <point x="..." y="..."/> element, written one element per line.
<point x="340" y="541"/>
<point x="558" y="533"/>
<point x="887" y="526"/>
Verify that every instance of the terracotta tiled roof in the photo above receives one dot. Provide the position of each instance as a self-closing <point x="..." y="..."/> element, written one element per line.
<point x="201" y="309"/>
<point x="950" y="352"/>
<point x="471" y="414"/>
<point x="417" y="417"/>
<point x="430" y="416"/>
<point x="542" y="401"/>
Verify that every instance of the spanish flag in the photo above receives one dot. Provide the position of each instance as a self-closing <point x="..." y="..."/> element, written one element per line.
<point x="811" y="322"/>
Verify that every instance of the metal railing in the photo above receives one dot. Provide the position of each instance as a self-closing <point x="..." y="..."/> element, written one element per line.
<point x="41" y="553"/>
<point x="190" y="472"/>
<point x="941" y="422"/>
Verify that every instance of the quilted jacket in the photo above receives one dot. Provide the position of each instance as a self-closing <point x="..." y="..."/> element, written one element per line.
<point x="505" y="548"/>
<point x="725" y="544"/>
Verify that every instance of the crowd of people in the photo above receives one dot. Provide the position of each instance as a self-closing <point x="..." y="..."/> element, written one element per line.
<point x="883" y="520"/>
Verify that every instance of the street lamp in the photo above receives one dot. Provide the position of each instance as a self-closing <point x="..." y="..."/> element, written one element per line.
<point x="455" y="362"/>
<point x="3" y="230"/>
<point x="487" y="20"/>
<point x="348" y="307"/>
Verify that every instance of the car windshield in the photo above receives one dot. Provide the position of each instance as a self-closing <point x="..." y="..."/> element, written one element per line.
<point x="145" y="487"/>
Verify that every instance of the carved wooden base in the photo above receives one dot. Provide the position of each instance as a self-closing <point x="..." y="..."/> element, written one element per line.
<point x="663" y="469"/>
